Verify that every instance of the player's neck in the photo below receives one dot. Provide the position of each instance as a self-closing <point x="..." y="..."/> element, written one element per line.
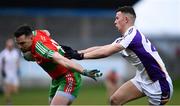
<point x="126" y="28"/>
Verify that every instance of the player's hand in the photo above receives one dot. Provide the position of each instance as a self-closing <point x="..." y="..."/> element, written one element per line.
<point x="92" y="73"/>
<point x="72" y="54"/>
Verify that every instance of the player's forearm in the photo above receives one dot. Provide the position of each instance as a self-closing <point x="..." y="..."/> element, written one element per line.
<point x="89" y="49"/>
<point x="103" y="51"/>
<point x="67" y="63"/>
<point x="96" y="54"/>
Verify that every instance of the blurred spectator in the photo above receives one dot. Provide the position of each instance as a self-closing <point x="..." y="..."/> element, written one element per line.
<point x="178" y="51"/>
<point x="111" y="82"/>
<point x="9" y="59"/>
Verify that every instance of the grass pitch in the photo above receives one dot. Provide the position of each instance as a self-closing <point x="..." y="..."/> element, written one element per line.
<point x="88" y="95"/>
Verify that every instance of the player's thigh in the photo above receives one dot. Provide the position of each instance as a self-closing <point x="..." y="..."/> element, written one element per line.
<point x="53" y="88"/>
<point x="60" y="100"/>
<point x="127" y="92"/>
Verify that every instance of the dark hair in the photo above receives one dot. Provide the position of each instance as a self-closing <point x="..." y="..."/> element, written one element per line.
<point x="23" y="30"/>
<point x="127" y="9"/>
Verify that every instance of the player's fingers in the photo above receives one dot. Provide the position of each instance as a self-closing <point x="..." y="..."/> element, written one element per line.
<point x="92" y="73"/>
<point x="94" y="78"/>
<point x="95" y="71"/>
<point x="98" y="74"/>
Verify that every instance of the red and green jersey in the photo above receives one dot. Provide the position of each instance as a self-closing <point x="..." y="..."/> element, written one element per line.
<point x="43" y="47"/>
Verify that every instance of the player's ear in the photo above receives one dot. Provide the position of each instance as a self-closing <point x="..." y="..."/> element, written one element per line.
<point x="126" y="19"/>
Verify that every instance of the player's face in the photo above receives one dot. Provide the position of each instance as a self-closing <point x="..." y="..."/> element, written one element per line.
<point x="119" y="21"/>
<point x="24" y="43"/>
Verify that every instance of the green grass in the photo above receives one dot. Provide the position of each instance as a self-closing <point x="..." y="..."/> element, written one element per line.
<point x="89" y="95"/>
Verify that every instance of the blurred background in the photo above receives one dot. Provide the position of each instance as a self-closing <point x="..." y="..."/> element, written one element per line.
<point x="84" y="23"/>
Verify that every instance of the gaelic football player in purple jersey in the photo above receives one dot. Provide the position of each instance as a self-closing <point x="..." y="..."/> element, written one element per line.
<point x="151" y="79"/>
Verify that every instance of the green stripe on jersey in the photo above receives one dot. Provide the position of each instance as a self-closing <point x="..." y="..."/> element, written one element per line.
<point x="61" y="51"/>
<point x="43" y="50"/>
<point x="34" y="33"/>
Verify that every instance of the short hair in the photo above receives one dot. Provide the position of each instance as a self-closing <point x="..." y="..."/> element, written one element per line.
<point x="127" y="9"/>
<point x="23" y="30"/>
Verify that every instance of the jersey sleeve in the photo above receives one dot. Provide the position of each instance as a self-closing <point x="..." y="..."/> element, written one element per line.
<point x="127" y="39"/>
<point x="47" y="32"/>
<point x="43" y="50"/>
<point x="117" y="40"/>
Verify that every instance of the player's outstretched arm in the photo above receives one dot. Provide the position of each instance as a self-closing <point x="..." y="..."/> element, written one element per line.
<point x="92" y="52"/>
<point x="66" y="62"/>
<point x="103" y="51"/>
<point x="78" y="55"/>
<point x="72" y="65"/>
<point x="89" y="49"/>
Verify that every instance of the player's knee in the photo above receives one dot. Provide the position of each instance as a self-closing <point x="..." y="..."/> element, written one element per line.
<point x="114" y="100"/>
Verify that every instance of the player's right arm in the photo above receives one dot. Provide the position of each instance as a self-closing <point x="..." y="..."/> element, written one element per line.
<point x="103" y="51"/>
<point x="78" y="55"/>
<point x="118" y="45"/>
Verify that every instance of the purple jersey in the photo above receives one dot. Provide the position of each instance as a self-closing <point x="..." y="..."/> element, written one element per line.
<point x="143" y="55"/>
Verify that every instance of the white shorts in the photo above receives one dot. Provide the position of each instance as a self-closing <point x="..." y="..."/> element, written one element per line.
<point x="13" y="80"/>
<point x="157" y="92"/>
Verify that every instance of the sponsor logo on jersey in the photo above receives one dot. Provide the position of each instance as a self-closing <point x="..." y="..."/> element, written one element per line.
<point x="118" y="41"/>
<point x="130" y="31"/>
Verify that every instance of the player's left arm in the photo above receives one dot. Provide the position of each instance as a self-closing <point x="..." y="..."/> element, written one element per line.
<point x="72" y="65"/>
<point x="48" y="53"/>
<point x="103" y="51"/>
<point x="55" y="56"/>
<point x="66" y="62"/>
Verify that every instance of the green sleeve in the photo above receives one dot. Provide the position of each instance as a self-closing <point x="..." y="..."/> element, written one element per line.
<point x="44" y="51"/>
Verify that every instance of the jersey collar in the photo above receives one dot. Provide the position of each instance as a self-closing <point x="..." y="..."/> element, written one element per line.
<point x="129" y="30"/>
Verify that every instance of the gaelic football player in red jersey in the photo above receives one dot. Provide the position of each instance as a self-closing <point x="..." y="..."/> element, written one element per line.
<point x="65" y="74"/>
